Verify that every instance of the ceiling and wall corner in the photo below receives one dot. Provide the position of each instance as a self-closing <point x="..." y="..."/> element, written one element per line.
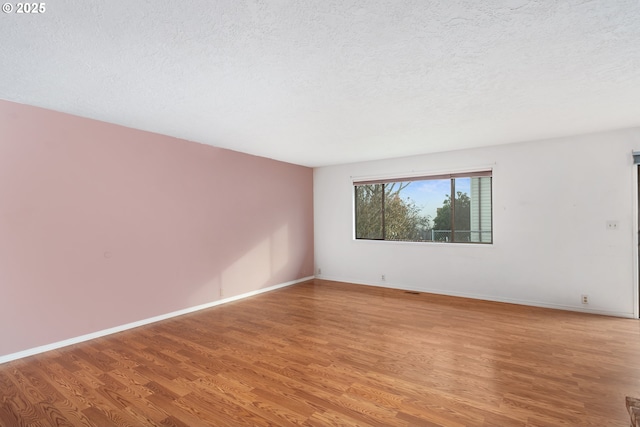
<point x="326" y="82"/>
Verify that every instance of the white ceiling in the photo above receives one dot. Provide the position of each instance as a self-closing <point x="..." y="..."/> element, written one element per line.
<point x="320" y="82"/>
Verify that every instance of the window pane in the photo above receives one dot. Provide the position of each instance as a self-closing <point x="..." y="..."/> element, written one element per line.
<point x="369" y="211"/>
<point x="480" y="210"/>
<point x="462" y="210"/>
<point x="440" y="207"/>
<point x="404" y="218"/>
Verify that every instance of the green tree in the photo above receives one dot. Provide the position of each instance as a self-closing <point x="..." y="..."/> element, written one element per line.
<point x="462" y="218"/>
<point x="400" y="219"/>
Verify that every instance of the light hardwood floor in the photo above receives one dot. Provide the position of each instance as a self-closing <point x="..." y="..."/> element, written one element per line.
<point x="324" y="353"/>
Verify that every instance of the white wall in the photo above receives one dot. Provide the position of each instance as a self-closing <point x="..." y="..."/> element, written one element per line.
<point x="551" y="203"/>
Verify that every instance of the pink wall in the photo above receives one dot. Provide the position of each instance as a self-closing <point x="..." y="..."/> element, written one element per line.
<point x="102" y="225"/>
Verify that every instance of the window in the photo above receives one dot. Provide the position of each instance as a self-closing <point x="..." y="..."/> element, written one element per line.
<point x="421" y="209"/>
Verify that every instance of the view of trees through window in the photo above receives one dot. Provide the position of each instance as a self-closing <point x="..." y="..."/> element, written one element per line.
<point x="423" y="210"/>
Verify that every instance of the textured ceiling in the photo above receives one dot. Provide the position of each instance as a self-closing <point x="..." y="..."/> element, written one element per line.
<point x="332" y="81"/>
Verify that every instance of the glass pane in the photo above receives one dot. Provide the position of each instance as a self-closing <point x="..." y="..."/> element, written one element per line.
<point x="480" y="210"/>
<point x="403" y="219"/>
<point x="412" y="210"/>
<point x="369" y="211"/>
<point x="462" y="210"/>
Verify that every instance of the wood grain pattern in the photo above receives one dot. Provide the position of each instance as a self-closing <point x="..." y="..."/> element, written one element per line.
<point x="325" y="353"/>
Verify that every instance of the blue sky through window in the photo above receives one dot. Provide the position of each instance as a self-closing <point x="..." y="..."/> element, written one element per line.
<point x="430" y="194"/>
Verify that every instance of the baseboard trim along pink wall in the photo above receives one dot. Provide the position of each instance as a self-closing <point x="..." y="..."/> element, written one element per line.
<point x="114" y="330"/>
<point x="103" y="225"/>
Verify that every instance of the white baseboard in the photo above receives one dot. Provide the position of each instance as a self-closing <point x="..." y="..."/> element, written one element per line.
<point x="482" y="297"/>
<point x="98" y="334"/>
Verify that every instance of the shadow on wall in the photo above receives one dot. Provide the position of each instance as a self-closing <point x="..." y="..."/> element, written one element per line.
<point x="270" y="262"/>
<point x="259" y="265"/>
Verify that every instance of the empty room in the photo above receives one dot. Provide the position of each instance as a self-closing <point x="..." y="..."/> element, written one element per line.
<point x="316" y="213"/>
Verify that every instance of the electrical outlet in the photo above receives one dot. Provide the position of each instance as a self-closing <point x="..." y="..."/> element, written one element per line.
<point x="585" y="299"/>
<point x="612" y="225"/>
<point x="221" y="292"/>
<point x="319" y="271"/>
<point x="383" y="278"/>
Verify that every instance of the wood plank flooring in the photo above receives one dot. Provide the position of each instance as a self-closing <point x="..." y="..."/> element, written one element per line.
<point x="324" y="353"/>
